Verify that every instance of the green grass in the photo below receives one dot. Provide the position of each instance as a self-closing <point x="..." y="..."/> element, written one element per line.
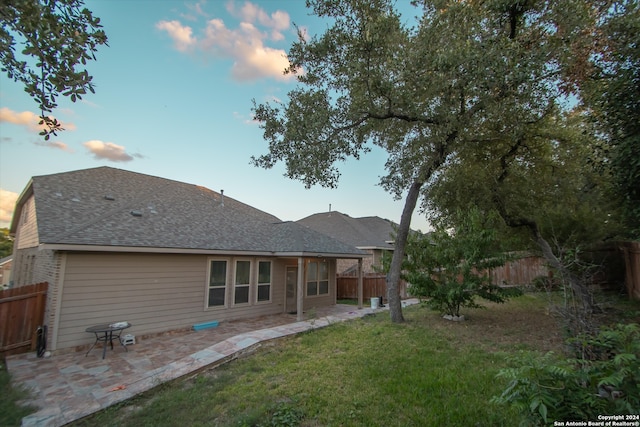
<point x="350" y="301"/>
<point x="367" y="372"/>
<point x="11" y="409"/>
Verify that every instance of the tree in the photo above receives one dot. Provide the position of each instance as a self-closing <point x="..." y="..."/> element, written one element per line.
<point x="612" y="92"/>
<point x="59" y="35"/>
<point x="6" y="243"/>
<point x="420" y="93"/>
<point x="548" y="182"/>
<point x="452" y="267"/>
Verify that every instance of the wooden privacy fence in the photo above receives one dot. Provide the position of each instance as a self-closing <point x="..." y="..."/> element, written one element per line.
<point x="631" y="254"/>
<point x="520" y="272"/>
<point x="21" y="312"/>
<point x="372" y="286"/>
<point x="618" y="259"/>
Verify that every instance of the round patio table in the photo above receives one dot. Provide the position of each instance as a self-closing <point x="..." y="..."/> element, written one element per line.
<point x="106" y="333"/>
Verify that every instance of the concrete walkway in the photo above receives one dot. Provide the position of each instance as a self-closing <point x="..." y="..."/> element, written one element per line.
<point x="71" y="386"/>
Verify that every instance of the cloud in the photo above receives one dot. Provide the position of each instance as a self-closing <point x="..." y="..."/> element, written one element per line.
<point x="108" y="151"/>
<point x="244" y="45"/>
<point x="277" y="22"/>
<point x="181" y="35"/>
<point x="57" y="145"/>
<point x="28" y="119"/>
<point x="7" y="205"/>
<point x="196" y="9"/>
<point x="25" y="118"/>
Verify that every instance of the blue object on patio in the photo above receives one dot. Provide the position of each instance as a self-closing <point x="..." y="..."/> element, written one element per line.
<point x="205" y="325"/>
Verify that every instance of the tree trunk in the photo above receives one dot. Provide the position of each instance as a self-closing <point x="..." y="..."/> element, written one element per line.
<point x="580" y="289"/>
<point x="393" y="278"/>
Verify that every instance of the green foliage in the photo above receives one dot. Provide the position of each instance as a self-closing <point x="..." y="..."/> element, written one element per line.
<point x="548" y="177"/>
<point x="613" y="96"/>
<point x="451" y="269"/>
<point x="546" y="388"/>
<point x="6" y="243"/>
<point x="59" y="35"/>
<point x="284" y="415"/>
<point x="11" y="410"/>
<point x="460" y="76"/>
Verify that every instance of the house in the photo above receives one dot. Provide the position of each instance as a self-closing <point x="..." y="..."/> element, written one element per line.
<point x="164" y="255"/>
<point x="372" y="234"/>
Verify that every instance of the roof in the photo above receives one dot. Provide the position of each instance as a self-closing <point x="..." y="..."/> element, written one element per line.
<point x="366" y="233"/>
<point x="114" y="208"/>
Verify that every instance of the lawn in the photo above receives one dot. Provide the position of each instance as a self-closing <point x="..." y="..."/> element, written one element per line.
<point x="425" y="372"/>
<point x="11" y="412"/>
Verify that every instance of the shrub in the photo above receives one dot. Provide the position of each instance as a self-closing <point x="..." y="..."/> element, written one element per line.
<point x="547" y="388"/>
<point x="451" y="268"/>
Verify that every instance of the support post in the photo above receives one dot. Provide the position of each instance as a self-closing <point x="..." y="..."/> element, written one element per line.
<point x="360" y="284"/>
<point x="300" y="290"/>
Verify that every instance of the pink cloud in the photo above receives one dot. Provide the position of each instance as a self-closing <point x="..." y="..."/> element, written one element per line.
<point x="27" y="119"/>
<point x="55" y="144"/>
<point x="244" y="45"/>
<point x="108" y="151"/>
<point x="181" y="34"/>
<point x="7" y="205"/>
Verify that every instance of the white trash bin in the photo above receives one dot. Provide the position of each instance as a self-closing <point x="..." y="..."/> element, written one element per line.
<point x="375" y="302"/>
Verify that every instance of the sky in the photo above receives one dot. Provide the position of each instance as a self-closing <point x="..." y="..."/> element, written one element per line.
<point x="173" y="99"/>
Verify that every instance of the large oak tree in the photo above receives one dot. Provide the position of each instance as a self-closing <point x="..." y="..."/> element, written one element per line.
<point x="422" y="90"/>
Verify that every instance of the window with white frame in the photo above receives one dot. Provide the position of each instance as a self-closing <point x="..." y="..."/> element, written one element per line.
<point x="264" y="281"/>
<point x="317" y="278"/>
<point x="242" y="282"/>
<point x="217" y="283"/>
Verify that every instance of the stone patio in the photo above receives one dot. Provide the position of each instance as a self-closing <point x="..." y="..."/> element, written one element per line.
<point x="71" y="386"/>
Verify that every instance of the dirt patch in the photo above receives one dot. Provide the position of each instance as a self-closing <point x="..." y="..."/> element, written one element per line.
<point x="524" y="322"/>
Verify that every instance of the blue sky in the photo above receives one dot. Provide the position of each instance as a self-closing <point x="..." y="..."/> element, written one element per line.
<point x="173" y="99"/>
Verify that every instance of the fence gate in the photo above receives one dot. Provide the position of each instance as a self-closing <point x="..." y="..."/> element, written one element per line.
<point x="21" y="312"/>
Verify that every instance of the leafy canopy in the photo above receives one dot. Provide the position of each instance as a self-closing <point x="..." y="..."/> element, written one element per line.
<point x="421" y="89"/>
<point x="57" y="38"/>
<point x="612" y="93"/>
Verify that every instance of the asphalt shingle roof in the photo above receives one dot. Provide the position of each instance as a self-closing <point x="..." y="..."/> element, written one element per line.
<point x="105" y="206"/>
<point x="365" y="232"/>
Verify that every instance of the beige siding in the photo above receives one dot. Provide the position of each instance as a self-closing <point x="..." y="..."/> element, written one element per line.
<point x="156" y="293"/>
<point x="316" y="301"/>
<point x="24" y="248"/>
<point x="27" y="229"/>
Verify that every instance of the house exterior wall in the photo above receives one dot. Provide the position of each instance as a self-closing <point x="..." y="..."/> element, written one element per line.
<point x="154" y="292"/>
<point x="27" y="229"/>
<point x="5" y="274"/>
<point x="350" y="267"/>
<point x="317" y="301"/>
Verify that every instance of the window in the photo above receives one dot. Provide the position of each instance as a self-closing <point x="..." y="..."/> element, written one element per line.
<point x="217" y="283"/>
<point x="264" y="281"/>
<point x="317" y="278"/>
<point x="242" y="282"/>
